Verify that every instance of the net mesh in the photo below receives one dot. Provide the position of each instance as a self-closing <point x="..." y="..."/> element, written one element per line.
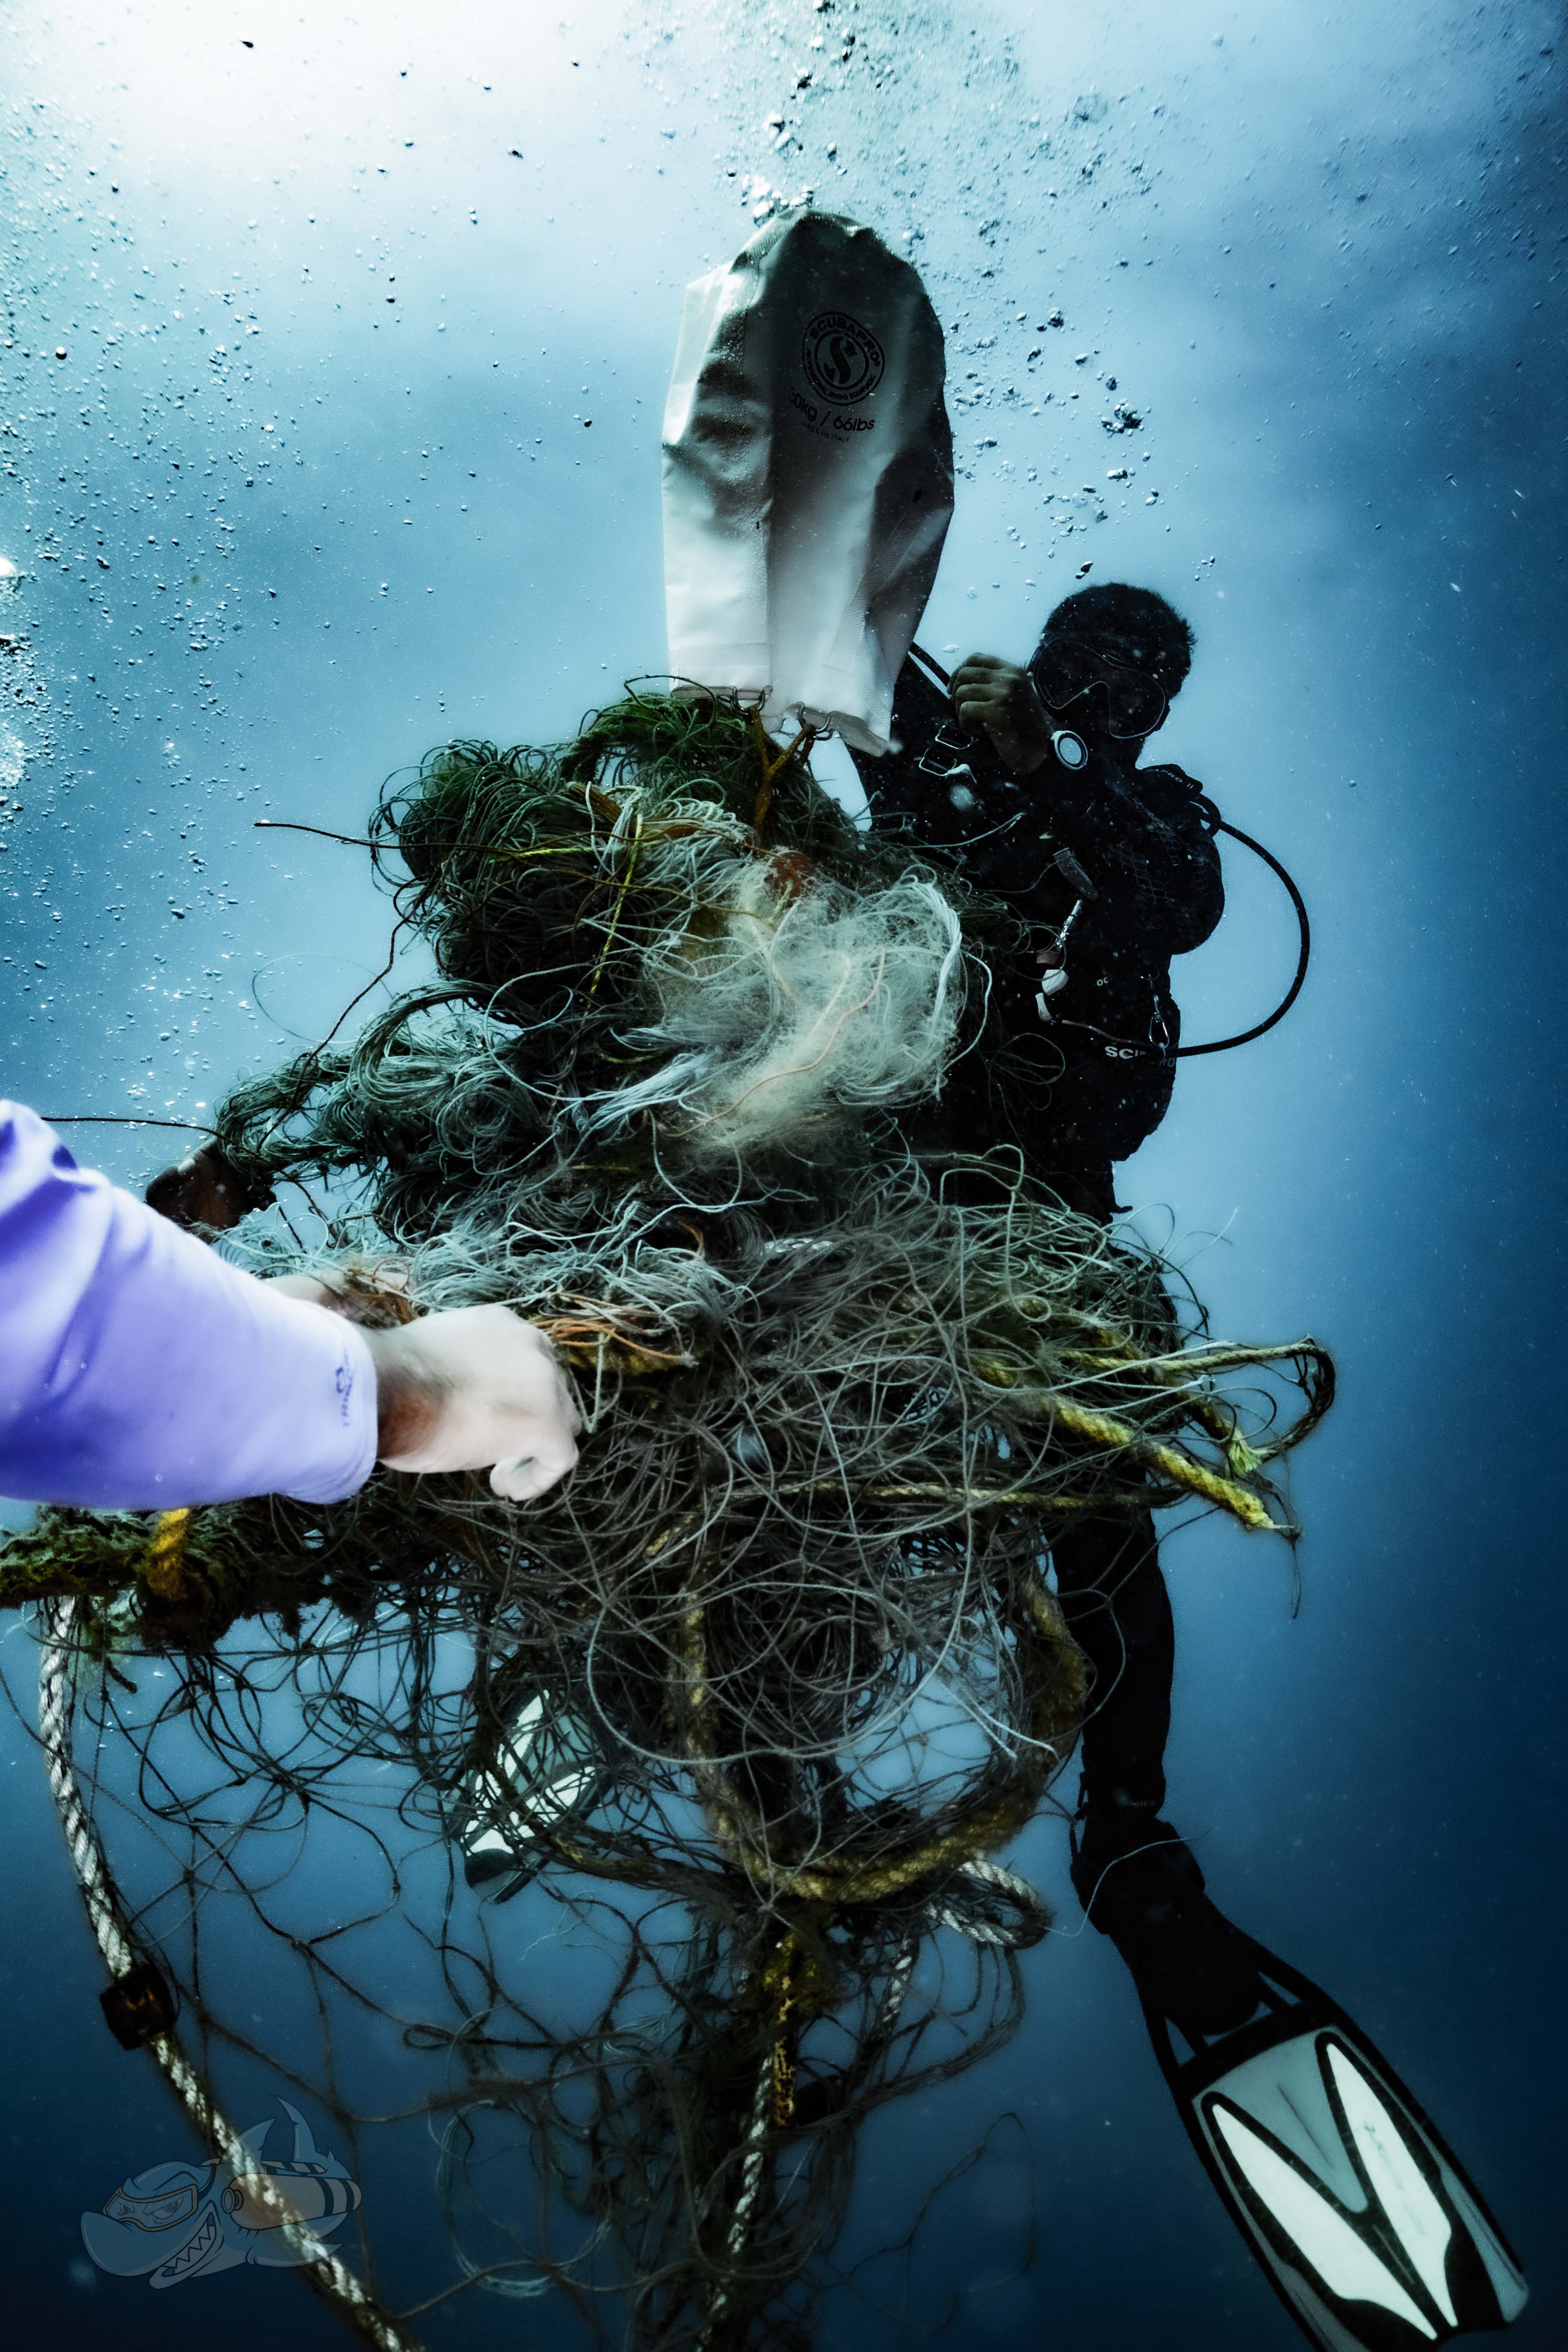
<point x="753" y="1693"/>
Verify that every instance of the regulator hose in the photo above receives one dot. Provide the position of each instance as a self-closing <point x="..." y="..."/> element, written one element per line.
<point x="1245" y="1037"/>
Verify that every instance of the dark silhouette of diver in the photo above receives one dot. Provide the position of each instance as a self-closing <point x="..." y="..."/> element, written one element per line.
<point x="1026" y="779"/>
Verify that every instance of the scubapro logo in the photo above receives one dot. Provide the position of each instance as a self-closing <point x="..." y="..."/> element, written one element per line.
<point x="842" y="359"/>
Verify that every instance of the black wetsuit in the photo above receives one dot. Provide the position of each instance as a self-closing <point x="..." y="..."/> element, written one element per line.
<point x="1112" y="871"/>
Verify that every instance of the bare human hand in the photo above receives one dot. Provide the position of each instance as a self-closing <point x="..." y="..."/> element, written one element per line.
<point x="204" y="1191"/>
<point x="466" y="1389"/>
<point x="1002" y="698"/>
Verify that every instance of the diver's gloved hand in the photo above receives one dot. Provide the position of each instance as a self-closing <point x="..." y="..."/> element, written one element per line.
<point x="1002" y="700"/>
<point x="464" y="1390"/>
<point x="1140" y="1885"/>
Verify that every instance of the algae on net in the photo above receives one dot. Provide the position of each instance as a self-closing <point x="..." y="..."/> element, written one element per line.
<point x="789" y="1613"/>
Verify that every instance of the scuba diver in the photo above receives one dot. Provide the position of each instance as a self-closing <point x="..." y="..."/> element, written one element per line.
<point x="1025" y="778"/>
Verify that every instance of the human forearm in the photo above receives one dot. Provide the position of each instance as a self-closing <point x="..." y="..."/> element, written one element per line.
<point x="469" y="1388"/>
<point x="139" y="1371"/>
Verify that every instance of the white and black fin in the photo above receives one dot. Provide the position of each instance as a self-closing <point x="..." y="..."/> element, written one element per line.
<point x="540" y="1771"/>
<point x="1357" y="2209"/>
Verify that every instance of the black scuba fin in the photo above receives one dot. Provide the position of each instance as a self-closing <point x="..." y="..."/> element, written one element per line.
<point x="1355" y="2207"/>
<point x="1358" y="2210"/>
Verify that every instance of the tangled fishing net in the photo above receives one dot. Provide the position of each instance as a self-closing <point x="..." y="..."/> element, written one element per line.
<point x="769" y="1678"/>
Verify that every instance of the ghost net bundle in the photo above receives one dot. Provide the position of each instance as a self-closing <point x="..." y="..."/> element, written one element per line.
<point x="768" y="1679"/>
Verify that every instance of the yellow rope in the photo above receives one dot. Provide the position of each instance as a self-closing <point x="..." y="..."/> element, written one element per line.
<point x="163" y="1570"/>
<point x="773" y="768"/>
<point x="1108" y="1430"/>
<point x="1053" y="1665"/>
<point x="1179" y="1467"/>
<point x="620" y="902"/>
<point x="783" y="1979"/>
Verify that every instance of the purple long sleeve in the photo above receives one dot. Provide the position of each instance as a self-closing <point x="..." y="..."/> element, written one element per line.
<point x="138" y="1372"/>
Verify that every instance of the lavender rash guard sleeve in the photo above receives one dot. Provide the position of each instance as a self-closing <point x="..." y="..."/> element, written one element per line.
<point x="138" y="1372"/>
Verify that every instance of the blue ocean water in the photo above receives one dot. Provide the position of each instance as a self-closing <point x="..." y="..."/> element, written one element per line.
<point x="332" y="363"/>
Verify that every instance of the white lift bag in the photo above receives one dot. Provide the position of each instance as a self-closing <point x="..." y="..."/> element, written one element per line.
<point x="807" y="476"/>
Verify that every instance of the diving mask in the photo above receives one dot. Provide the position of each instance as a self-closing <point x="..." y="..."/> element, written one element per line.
<point x="1065" y="669"/>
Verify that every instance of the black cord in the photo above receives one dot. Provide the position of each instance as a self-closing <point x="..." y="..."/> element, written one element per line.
<point x="1218" y="824"/>
<point x="1245" y="1038"/>
<point x="934" y="669"/>
<point x="118" y="1119"/>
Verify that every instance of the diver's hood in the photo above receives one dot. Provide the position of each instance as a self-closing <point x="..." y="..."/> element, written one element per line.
<point x="1357" y="2209"/>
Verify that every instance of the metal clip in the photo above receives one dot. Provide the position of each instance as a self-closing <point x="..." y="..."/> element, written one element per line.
<point x="944" y="748"/>
<point x="1069" y="870"/>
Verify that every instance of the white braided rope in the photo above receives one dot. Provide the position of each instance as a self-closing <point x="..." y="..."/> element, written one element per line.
<point x="754" y="2144"/>
<point x="320" y="2267"/>
<point x="989" y="1875"/>
<point x="752" y="2168"/>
